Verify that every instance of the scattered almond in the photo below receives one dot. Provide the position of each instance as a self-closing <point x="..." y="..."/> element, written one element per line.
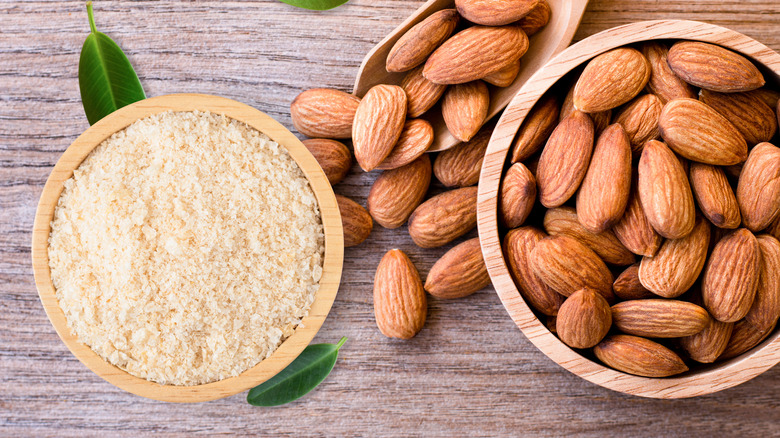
<point x="744" y="337"/>
<point x="465" y="108"/>
<point x="333" y="156"/>
<point x="414" y="46"/>
<point x="536" y="128"/>
<point x="504" y="77"/>
<point x="421" y="93"/>
<point x="634" y="230"/>
<point x="322" y="112"/>
<point x="628" y="287"/>
<point x="355" y="220"/>
<point x="396" y="193"/>
<point x="494" y="12"/>
<point x="400" y="305"/>
<point x="731" y="276"/>
<point x="713" y="68"/>
<point x="747" y="112"/>
<point x="379" y="122"/>
<point x="639" y="356"/>
<point x="518" y="245"/>
<point x="714" y="195"/>
<point x="707" y="345"/>
<point x="766" y="306"/>
<point x="584" y="319"/>
<point x="536" y="19"/>
<point x="640" y="120"/>
<point x="758" y="191"/>
<point x="415" y="139"/>
<point x="563" y="221"/>
<point x="460" y="166"/>
<point x="659" y="318"/>
<point x="459" y="272"/>
<point x="517" y="195"/>
<point x="663" y="82"/>
<point x="443" y="218"/>
<point x="611" y="79"/>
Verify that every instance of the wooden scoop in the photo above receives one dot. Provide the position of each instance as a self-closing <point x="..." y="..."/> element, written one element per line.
<point x="545" y="44"/>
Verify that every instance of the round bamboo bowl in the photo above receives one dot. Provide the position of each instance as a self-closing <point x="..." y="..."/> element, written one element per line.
<point x="703" y="379"/>
<point x="291" y="347"/>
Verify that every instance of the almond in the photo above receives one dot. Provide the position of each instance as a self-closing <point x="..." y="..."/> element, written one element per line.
<point x="766" y="306"/>
<point x="475" y="53"/>
<point x="396" y="193"/>
<point x="744" y="337"/>
<point x="584" y="319"/>
<point x="379" y="121"/>
<point x="640" y="120"/>
<point x="677" y="264"/>
<point x="421" y="93"/>
<point x="567" y="266"/>
<point x="460" y="166"/>
<point x="518" y="245"/>
<point x="517" y="195"/>
<point x="565" y="159"/>
<point x="747" y="112"/>
<point x="443" y="218"/>
<point x="634" y="230"/>
<point x="611" y="79"/>
<point x="600" y="119"/>
<point x="415" y="139"/>
<point x="494" y="12"/>
<point x="659" y="318"/>
<point x="536" y="19"/>
<point x="665" y="192"/>
<point x="563" y="221"/>
<point x="400" y="305"/>
<point x="699" y="133"/>
<point x="774" y="228"/>
<point x="536" y="128"/>
<point x="603" y="195"/>
<point x="504" y="77"/>
<point x="355" y="220"/>
<point x="714" y="195"/>
<point x="713" y="68"/>
<point x="333" y="156"/>
<point x="768" y="96"/>
<point x="322" y="112"/>
<point x="628" y="287"/>
<point x="707" y="345"/>
<point x="663" y="82"/>
<point x="465" y="108"/>
<point x="459" y="272"/>
<point x="731" y="276"/>
<point x="758" y="191"/>
<point x="414" y="46"/>
<point x="639" y="356"/>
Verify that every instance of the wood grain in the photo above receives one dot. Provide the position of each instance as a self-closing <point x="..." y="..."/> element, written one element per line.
<point x="469" y="372"/>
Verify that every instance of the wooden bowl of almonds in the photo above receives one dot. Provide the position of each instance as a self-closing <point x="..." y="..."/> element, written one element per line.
<point x="629" y="209"/>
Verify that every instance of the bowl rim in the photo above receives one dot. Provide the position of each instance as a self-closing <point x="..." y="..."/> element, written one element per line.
<point x="711" y="379"/>
<point x="332" y="261"/>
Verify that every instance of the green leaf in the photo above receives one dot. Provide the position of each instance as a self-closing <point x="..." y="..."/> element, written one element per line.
<point x="317" y="5"/>
<point x="305" y="373"/>
<point x="106" y="79"/>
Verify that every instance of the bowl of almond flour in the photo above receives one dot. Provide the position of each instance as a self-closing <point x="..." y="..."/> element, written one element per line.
<point x="187" y="247"/>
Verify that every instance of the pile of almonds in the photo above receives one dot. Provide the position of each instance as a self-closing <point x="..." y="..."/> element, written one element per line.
<point x="446" y="61"/>
<point x="658" y="191"/>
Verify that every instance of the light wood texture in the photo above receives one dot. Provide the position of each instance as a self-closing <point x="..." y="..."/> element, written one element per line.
<point x="700" y="381"/>
<point x="556" y="36"/>
<point x="469" y="372"/>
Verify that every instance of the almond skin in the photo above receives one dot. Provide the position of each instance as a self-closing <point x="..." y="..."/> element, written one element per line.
<point x="415" y="139"/>
<point x="639" y="356"/>
<point x="565" y="159"/>
<point x="600" y="119"/>
<point x="459" y="272"/>
<point x="731" y="276"/>
<point x="443" y="218"/>
<point x="640" y="120"/>
<point x="460" y="166"/>
<point x="475" y="53"/>
<point x="758" y="190"/>
<point x="536" y="19"/>
<point x="355" y="220"/>
<point x="400" y="305"/>
<point x="421" y="93"/>
<point x="611" y="79"/>
<point x="494" y="12"/>
<point x="634" y="230"/>
<point x="603" y="195"/>
<point x="567" y="266"/>
<point x="664" y="191"/>
<point x="396" y="193"/>
<point x="628" y="287"/>
<point x="659" y="318"/>
<point x="699" y="133"/>
<point x="379" y="122"/>
<point x="713" y="68"/>
<point x="707" y="345"/>
<point x="413" y="48"/>
<point x="714" y="195"/>
<point x="754" y="119"/>
<point x="677" y="264"/>
<point x="563" y="221"/>
<point x="517" y="195"/>
<point x="333" y="156"/>
<point x="326" y="113"/>
<point x="744" y="337"/>
<point x="774" y="228"/>
<point x="465" y="108"/>
<point x="663" y="82"/>
<point x="770" y="97"/>
<point x="584" y="319"/>
<point x="765" y="310"/>
<point x="536" y="128"/>
<point x="518" y="244"/>
<point x="504" y="77"/>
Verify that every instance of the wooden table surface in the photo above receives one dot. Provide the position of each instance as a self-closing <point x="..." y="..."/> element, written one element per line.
<point x="470" y="372"/>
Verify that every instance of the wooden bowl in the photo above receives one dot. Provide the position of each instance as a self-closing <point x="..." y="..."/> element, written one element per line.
<point x="291" y="347"/>
<point x="704" y="379"/>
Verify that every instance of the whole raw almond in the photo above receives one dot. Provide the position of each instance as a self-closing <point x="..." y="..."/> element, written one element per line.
<point x="396" y="193"/>
<point x="634" y="230"/>
<point x="699" y="133"/>
<point x="611" y="79"/>
<point x="355" y="220"/>
<point x="767" y="95"/>
<point x="567" y="266"/>
<point x="714" y="195"/>
<point x="413" y="48"/>
<point x="565" y="159"/>
<point x="744" y="337"/>
<point x="322" y="112"/>
<point x="460" y="165"/>
<point x="563" y="221"/>
<point x="536" y="128"/>
<point x="640" y="120"/>
<point x="707" y="345"/>
<point x="584" y="319"/>
<point x="517" y="195"/>
<point x="400" y="305"/>
<point x="603" y="195"/>
<point x="443" y="218"/>
<point x="677" y="264"/>
<point x="379" y="122"/>
<point x="494" y="12"/>
<point x="474" y="53"/>
<point x="659" y="318"/>
<point x="774" y="228"/>
<point x="415" y="139"/>
<point x="628" y="287"/>
<point x="663" y="82"/>
<point x="758" y="190"/>
<point x="464" y="108"/>
<point x="765" y="310"/>
<point x="333" y="156"/>
<point x="518" y="244"/>
<point x="536" y="19"/>
<point x="504" y="77"/>
<point x="459" y="272"/>
<point x="600" y="119"/>
<point x="713" y="68"/>
<point x="747" y="112"/>
<point x="421" y="93"/>
<point x="664" y="191"/>
<point x="731" y="276"/>
<point x="639" y="356"/>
